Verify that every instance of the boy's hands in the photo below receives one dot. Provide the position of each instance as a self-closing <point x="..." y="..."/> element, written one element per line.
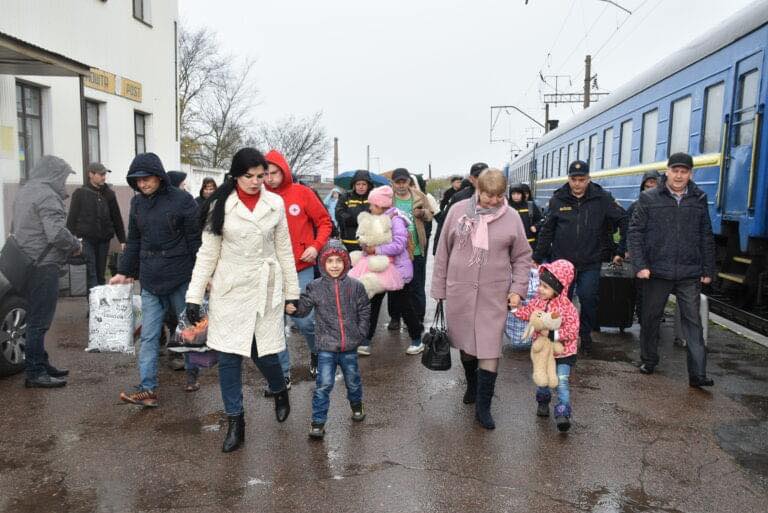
<point x="290" y="309"/>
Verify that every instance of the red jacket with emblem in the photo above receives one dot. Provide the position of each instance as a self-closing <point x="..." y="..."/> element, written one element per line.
<point x="308" y="221"/>
<point x="569" y="329"/>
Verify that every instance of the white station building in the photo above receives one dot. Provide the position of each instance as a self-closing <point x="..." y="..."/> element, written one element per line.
<point x="87" y="81"/>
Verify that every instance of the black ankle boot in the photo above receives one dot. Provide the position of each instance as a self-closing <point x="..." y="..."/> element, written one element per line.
<point x="235" y="433"/>
<point x="470" y="372"/>
<point x="486" y="383"/>
<point x="282" y="405"/>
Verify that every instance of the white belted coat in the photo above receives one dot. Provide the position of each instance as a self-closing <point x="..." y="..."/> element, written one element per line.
<point x="253" y="275"/>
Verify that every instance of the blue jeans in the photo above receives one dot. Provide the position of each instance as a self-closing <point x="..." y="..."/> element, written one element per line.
<point x="563" y="386"/>
<point x="95" y="252"/>
<point x="306" y="324"/>
<point x="326" y="376"/>
<point x="587" y="287"/>
<point x="153" y="309"/>
<point x="42" y="293"/>
<point x="231" y="377"/>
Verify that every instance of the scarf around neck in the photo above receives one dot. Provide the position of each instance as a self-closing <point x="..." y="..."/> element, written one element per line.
<point x="474" y="225"/>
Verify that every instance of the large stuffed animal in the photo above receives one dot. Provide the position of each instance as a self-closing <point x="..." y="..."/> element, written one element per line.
<point x="377" y="272"/>
<point x="543" y="350"/>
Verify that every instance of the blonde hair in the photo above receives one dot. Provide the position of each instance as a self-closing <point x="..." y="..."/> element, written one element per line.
<point x="492" y="181"/>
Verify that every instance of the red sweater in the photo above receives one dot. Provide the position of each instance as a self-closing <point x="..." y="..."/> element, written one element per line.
<point x="308" y="221"/>
<point x="249" y="200"/>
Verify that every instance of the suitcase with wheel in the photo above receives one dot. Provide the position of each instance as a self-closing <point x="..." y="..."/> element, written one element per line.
<point x="616" y="307"/>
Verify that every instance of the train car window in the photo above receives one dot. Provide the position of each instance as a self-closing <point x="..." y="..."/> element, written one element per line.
<point x="592" y="151"/>
<point x="649" y="136"/>
<point x="555" y="162"/>
<point x="545" y="159"/>
<point x="680" y="126"/>
<point x="607" y="148"/>
<point x="747" y="101"/>
<point x="625" y="144"/>
<point x="561" y="162"/>
<point x="571" y="156"/>
<point x="582" y="150"/>
<point x="713" y="118"/>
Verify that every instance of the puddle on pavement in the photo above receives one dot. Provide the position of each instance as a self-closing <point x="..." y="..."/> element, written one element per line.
<point x="630" y="500"/>
<point x="181" y="427"/>
<point x="747" y="442"/>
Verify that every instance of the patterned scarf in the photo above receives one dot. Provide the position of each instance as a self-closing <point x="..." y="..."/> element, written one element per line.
<point x="474" y="225"/>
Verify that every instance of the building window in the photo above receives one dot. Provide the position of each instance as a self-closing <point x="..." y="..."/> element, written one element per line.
<point x="713" y="118"/>
<point x="592" y="151"/>
<point x="649" y="136"/>
<point x="140" y="131"/>
<point x="92" y="124"/>
<point x="607" y="148"/>
<point x="746" y="107"/>
<point x="582" y="155"/>
<point x="30" y="123"/>
<point x="680" y="125"/>
<point x="625" y="144"/>
<point x="141" y="11"/>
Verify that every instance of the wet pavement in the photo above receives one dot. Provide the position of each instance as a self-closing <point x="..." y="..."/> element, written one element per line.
<point x="638" y="443"/>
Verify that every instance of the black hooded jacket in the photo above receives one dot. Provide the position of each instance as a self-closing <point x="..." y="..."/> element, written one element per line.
<point x="163" y="231"/>
<point x="94" y="214"/>
<point x="466" y="192"/>
<point x="348" y="207"/>
<point x="672" y="239"/>
<point x="574" y="228"/>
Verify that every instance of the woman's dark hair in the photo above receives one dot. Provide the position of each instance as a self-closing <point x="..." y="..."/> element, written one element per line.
<point x="207" y="180"/>
<point x="243" y="160"/>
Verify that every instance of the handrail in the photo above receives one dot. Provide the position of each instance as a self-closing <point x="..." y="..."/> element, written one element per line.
<point x="723" y="164"/>
<point x="753" y="163"/>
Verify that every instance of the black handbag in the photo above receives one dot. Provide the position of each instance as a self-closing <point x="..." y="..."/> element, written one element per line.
<point x="437" y="353"/>
<point x="17" y="266"/>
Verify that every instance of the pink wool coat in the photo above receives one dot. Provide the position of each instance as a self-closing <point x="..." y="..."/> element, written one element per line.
<point x="476" y="296"/>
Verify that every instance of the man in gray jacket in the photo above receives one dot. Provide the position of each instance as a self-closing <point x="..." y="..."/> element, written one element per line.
<point x="40" y="228"/>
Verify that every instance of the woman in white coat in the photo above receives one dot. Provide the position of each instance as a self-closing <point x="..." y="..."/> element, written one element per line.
<point x="247" y="257"/>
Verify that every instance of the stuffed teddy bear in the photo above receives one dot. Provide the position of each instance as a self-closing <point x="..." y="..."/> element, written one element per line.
<point x="376" y="272"/>
<point x="543" y="350"/>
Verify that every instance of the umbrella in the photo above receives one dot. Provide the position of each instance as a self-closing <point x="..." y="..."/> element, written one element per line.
<point x="344" y="180"/>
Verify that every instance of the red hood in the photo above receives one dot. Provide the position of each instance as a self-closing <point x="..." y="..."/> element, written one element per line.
<point x="277" y="158"/>
<point x="563" y="271"/>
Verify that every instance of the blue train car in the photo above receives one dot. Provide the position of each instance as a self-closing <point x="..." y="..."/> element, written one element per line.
<point x="708" y="100"/>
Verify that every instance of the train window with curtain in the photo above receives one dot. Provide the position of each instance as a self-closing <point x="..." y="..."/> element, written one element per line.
<point x="625" y="144"/>
<point x="649" y="136"/>
<point x="713" y="118"/>
<point x="607" y="148"/>
<point x="582" y="153"/>
<point x="680" y="125"/>
<point x="571" y="156"/>
<point x="561" y="163"/>
<point x="747" y="104"/>
<point x="592" y="151"/>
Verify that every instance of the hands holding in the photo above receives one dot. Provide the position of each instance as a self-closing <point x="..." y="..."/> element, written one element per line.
<point x="120" y="279"/>
<point x="706" y="280"/>
<point x="193" y="313"/>
<point x="644" y="274"/>
<point x="513" y="300"/>
<point x="290" y="309"/>
<point x="309" y="255"/>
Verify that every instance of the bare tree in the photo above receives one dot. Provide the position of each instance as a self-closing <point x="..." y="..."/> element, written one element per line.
<point x="302" y="141"/>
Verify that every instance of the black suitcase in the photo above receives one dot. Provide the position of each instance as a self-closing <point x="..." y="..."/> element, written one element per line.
<point x="616" y="307"/>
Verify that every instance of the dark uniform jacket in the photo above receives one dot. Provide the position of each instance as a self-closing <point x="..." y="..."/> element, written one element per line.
<point x="349" y="206"/>
<point x="460" y="195"/>
<point x="530" y="214"/>
<point x="573" y="228"/>
<point x="94" y="214"/>
<point x="672" y="239"/>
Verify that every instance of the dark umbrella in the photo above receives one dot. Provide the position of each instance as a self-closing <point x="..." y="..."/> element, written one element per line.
<point x="344" y="180"/>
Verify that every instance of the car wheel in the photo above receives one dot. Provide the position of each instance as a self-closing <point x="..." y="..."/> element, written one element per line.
<point x="13" y="335"/>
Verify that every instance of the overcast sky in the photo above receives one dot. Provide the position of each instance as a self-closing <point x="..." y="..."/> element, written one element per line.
<point x="415" y="79"/>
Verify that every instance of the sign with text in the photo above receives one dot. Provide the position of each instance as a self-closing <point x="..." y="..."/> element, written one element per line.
<point x="101" y="80"/>
<point x="130" y="89"/>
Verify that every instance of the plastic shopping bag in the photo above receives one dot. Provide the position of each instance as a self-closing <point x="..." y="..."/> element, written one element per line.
<point x="189" y="335"/>
<point x="111" y="319"/>
<point x="515" y="328"/>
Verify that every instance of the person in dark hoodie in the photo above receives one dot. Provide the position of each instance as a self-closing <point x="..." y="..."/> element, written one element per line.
<point x="206" y="190"/>
<point x="163" y="239"/>
<point x="94" y="216"/>
<point x="178" y="179"/>
<point x="650" y="181"/>
<point x="39" y="228"/>
<point x="350" y="205"/>
<point x="673" y="252"/>
<point x="342" y="316"/>
<point x="529" y="212"/>
<point x="466" y="192"/>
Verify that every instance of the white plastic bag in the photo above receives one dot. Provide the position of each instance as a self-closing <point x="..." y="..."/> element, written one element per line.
<point x="111" y="319"/>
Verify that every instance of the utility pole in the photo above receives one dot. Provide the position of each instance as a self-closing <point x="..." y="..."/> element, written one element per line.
<point x="430" y="171"/>
<point x="368" y="157"/>
<point x="587" y="79"/>
<point x="335" y="157"/>
<point x="546" y="118"/>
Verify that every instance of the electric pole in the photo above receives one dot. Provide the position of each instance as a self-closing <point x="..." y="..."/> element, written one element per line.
<point x="335" y="157"/>
<point x="587" y="79"/>
<point x="430" y="172"/>
<point x="368" y="157"/>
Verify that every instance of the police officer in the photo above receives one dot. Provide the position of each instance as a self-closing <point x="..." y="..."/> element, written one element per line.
<point x="573" y="229"/>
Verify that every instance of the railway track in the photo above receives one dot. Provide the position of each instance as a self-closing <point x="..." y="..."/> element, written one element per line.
<point x="754" y="320"/>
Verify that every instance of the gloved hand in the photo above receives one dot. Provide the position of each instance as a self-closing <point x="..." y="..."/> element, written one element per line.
<point x="193" y="313"/>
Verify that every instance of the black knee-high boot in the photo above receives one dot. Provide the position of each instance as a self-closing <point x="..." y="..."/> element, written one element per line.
<point x="486" y="383"/>
<point x="235" y="433"/>
<point x="470" y="372"/>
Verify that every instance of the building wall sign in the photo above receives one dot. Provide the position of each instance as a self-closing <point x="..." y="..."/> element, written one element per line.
<point x="110" y="83"/>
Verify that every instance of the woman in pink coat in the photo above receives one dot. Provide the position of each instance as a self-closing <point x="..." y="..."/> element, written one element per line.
<point x="481" y="267"/>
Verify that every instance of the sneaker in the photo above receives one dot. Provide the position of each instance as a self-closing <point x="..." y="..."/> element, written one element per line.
<point x="144" y="398"/>
<point x="317" y="431"/>
<point x="415" y="348"/>
<point x="646" y="368"/>
<point x="364" y="350"/>
<point x="269" y="393"/>
<point x="358" y="413"/>
<point x="313" y="365"/>
<point x="394" y="325"/>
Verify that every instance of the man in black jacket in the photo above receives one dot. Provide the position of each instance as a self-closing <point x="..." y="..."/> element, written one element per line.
<point x="350" y="205"/>
<point x="573" y="229"/>
<point x="464" y="193"/>
<point x="673" y="251"/>
<point x="455" y="186"/>
<point x="94" y="216"/>
<point x="163" y="239"/>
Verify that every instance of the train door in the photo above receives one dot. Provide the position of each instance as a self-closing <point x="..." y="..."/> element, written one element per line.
<point x="740" y="176"/>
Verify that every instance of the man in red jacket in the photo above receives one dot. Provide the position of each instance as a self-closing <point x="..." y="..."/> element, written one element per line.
<point x="310" y="227"/>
